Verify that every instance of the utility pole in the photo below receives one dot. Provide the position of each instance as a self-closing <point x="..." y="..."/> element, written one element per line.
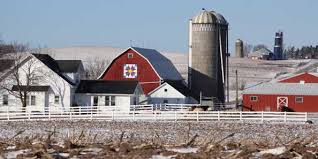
<point x="236" y="83"/>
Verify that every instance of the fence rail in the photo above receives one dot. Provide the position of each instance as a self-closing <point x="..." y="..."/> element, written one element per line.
<point x="111" y="113"/>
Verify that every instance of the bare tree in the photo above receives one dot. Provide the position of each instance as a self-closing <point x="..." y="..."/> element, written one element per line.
<point x="22" y="74"/>
<point x="95" y="67"/>
<point x="247" y="48"/>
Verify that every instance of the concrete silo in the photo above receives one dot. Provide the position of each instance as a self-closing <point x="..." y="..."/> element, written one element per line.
<point x="208" y="47"/>
<point x="239" y="48"/>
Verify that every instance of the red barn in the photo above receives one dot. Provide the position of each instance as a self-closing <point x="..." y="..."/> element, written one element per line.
<point x="297" y="93"/>
<point x="302" y="78"/>
<point x="277" y="96"/>
<point x="147" y="66"/>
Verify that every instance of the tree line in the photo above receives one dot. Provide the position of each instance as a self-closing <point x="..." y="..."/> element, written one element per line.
<point x="305" y="52"/>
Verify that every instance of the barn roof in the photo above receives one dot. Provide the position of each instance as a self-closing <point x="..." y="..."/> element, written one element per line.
<point x="283" y="89"/>
<point x="162" y="65"/>
<point x="107" y="87"/>
<point x="30" y="88"/>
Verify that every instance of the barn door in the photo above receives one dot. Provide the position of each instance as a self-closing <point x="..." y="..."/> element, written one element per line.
<point x="282" y="102"/>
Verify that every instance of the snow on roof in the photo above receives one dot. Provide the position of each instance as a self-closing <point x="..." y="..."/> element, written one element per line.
<point x="162" y="65"/>
<point x="284" y="89"/>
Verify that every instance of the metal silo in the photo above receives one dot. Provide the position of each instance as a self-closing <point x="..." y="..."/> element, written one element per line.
<point x="239" y="48"/>
<point x="208" y="37"/>
<point x="278" y="47"/>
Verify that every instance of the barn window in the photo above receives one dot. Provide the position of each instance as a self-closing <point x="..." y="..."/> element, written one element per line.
<point x="254" y="98"/>
<point x="5" y="99"/>
<point x="130" y="55"/>
<point x="166" y="90"/>
<point x="95" y="100"/>
<point x="299" y="99"/>
<point x="56" y="99"/>
<point x="33" y="100"/>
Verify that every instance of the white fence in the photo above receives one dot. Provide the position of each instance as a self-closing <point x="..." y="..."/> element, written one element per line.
<point x="111" y="113"/>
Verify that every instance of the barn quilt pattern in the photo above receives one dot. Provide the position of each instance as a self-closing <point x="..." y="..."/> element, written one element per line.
<point x="130" y="70"/>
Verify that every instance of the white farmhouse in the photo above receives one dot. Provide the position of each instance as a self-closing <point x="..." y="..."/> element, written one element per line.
<point x="175" y="92"/>
<point x="49" y="84"/>
<point x="109" y="95"/>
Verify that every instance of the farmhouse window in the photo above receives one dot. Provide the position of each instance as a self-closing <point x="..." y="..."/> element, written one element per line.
<point x="165" y="101"/>
<point x="254" y="98"/>
<point x="113" y="103"/>
<point x="57" y="99"/>
<point x="5" y="100"/>
<point x="33" y="100"/>
<point x="130" y="55"/>
<point x="107" y="101"/>
<point x="95" y="100"/>
<point x="110" y="101"/>
<point x="299" y="100"/>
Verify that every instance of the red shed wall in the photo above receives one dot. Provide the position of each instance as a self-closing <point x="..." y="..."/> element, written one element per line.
<point x="146" y="75"/>
<point x="310" y="103"/>
<point x="308" y="78"/>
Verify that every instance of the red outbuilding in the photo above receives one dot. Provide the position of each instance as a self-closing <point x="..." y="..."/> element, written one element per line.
<point x="297" y="93"/>
<point x="147" y="66"/>
<point x="302" y="78"/>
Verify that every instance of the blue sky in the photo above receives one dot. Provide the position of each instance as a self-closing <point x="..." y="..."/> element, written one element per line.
<point x="162" y="25"/>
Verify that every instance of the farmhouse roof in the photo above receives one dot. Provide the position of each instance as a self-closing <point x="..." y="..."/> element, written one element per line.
<point x="283" y="89"/>
<point x="53" y="65"/>
<point x="180" y="87"/>
<point x="69" y="66"/>
<point x="107" y="87"/>
<point x="30" y="88"/>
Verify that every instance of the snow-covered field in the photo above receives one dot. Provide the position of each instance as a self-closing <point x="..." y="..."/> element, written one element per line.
<point x="101" y="139"/>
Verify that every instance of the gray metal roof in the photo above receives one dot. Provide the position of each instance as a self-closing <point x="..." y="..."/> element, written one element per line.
<point x="260" y="52"/>
<point x="220" y="18"/>
<point x="162" y="65"/>
<point x="283" y="89"/>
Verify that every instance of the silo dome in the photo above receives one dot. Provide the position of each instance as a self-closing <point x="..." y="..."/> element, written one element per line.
<point x="220" y="18"/>
<point x="239" y="41"/>
<point x="205" y="17"/>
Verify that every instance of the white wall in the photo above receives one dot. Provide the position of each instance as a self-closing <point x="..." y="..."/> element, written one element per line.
<point x="122" y="102"/>
<point x="45" y="77"/>
<point x="171" y="95"/>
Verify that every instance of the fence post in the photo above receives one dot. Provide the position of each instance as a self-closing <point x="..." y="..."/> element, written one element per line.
<point x="306" y="116"/>
<point x="49" y="113"/>
<point x="155" y="115"/>
<point x="197" y="116"/>
<point x="80" y="110"/>
<point x="70" y="113"/>
<point x="262" y="114"/>
<point x="113" y="115"/>
<point x="241" y="116"/>
<point x="134" y="115"/>
<point x="29" y="115"/>
<point x="8" y="115"/>
<point x="219" y="115"/>
<point x="175" y="116"/>
<point x="91" y="113"/>
<point x="285" y="117"/>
